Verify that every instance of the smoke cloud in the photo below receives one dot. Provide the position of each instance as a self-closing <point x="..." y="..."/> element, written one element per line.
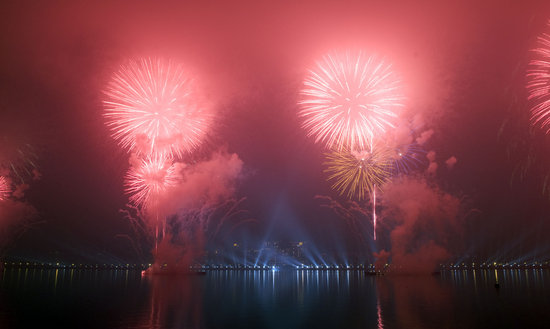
<point x="451" y="162"/>
<point x="203" y="183"/>
<point x="401" y="135"/>
<point x="424" y="223"/>
<point x="432" y="167"/>
<point x="424" y="136"/>
<point x="201" y="201"/>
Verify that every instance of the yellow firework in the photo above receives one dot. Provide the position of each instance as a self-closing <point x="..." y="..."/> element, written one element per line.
<point x="356" y="173"/>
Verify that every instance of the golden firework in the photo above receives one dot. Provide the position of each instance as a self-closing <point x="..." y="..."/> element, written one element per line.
<point x="356" y="173"/>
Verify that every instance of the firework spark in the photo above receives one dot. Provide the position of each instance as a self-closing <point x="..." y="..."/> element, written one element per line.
<point x="408" y="157"/>
<point x="357" y="173"/>
<point x="538" y="83"/>
<point x="349" y="99"/>
<point x="147" y="182"/>
<point x="4" y="188"/>
<point x="152" y="108"/>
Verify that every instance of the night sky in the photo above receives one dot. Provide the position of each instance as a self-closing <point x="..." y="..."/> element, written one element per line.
<point x="464" y="70"/>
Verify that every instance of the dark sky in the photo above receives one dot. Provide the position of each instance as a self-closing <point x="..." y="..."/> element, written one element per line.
<point x="463" y="65"/>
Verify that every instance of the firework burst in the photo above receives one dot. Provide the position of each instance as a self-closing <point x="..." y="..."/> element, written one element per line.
<point x="148" y="181"/>
<point x="4" y="188"/>
<point x="538" y="83"/>
<point x="152" y="108"/>
<point x="357" y="173"/>
<point x="349" y="99"/>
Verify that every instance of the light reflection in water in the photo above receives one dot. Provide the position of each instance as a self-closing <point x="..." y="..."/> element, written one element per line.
<point x="379" y="313"/>
<point x="279" y="299"/>
<point x="175" y="302"/>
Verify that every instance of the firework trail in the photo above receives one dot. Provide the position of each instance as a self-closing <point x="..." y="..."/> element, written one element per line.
<point x="137" y="219"/>
<point x="209" y="219"/>
<point x="351" y="212"/>
<point x="374" y="211"/>
<point x="349" y="99"/>
<point x="357" y="174"/>
<point x="360" y="174"/>
<point x="19" y="158"/>
<point x="538" y="83"/>
<point x="4" y="188"/>
<point x="148" y="182"/>
<point x="152" y="108"/>
<point x="208" y="224"/>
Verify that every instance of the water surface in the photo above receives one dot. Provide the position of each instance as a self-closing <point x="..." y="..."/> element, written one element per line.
<point x="34" y="298"/>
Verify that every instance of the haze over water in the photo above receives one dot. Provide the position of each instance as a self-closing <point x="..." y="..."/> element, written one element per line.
<point x="36" y="298"/>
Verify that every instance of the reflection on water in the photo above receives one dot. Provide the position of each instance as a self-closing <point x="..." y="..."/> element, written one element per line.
<point x="31" y="298"/>
<point x="291" y="299"/>
<point x="175" y="302"/>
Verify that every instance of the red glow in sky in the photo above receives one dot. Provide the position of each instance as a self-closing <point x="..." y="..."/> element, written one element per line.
<point x="349" y="99"/>
<point x="152" y="108"/>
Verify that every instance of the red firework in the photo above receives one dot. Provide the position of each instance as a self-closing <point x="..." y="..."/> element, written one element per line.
<point x="349" y="99"/>
<point x="147" y="182"/>
<point x="538" y="83"/>
<point x="4" y="188"/>
<point x="153" y="109"/>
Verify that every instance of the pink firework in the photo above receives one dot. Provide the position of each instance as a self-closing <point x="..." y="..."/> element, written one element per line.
<point x="538" y="83"/>
<point x="147" y="182"/>
<point x="4" y="188"/>
<point x="349" y="99"/>
<point x="153" y="109"/>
